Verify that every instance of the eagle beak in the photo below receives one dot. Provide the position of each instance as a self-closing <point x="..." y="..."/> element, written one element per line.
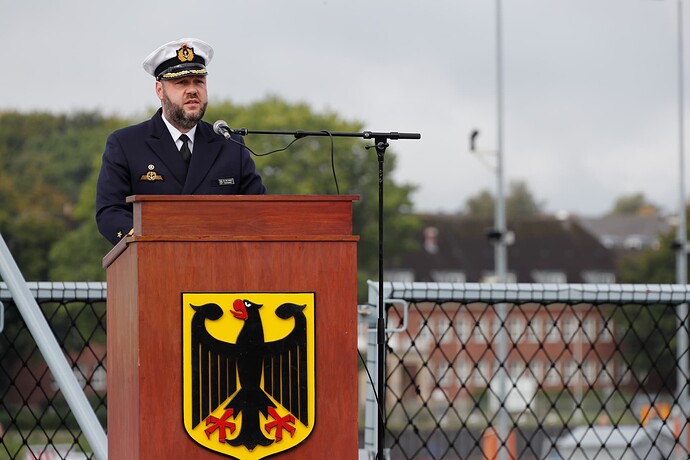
<point x="239" y="310"/>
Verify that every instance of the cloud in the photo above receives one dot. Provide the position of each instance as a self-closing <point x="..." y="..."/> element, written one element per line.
<point x="590" y="86"/>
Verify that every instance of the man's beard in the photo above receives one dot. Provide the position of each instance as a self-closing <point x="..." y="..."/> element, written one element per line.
<point x="177" y="115"/>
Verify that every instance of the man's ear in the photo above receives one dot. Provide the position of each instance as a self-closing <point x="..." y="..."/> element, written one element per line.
<point x="159" y="90"/>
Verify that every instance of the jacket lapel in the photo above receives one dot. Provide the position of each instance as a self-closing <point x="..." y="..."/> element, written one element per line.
<point x="163" y="146"/>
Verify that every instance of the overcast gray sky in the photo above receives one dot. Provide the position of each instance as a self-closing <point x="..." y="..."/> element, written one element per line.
<point x="590" y="86"/>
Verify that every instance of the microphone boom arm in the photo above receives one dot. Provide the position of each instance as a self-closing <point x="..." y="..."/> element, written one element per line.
<point x="300" y="134"/>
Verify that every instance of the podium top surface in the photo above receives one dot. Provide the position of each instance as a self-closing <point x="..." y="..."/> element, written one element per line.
<point x="241" y="198"/>
<point x="193" y="218"/>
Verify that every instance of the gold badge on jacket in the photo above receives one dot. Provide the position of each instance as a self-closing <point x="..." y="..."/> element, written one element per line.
<point x="248" y="371"/>
<point x="151" y="175"/>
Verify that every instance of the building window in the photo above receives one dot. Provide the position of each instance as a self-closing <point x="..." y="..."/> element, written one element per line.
<point x="552" y="376"/>
<point x="489" y="327"/>
<point x="589" y="328"/>
<point x="589" y="369"/>
<point x="498" y="327"/>
<point x="548" y="276"/>
<point x="598" y="277"/>
<point x="464" y="370"/>
<point x="463" y="328"/>
<point x="448" y="276"/>
<point x="606" y="331"/>
<point x="443" y="329"/>
<point x="608" y="241"/>
<point x="425" y="337"/>
<point x="482" y="375"/>
<point x="570" y="326"/>
<point x="405" y="276"/>
<point x="570" y="372"/>
<point x="537" y="369"/>
<point x="607" y="374"/>
<point x="515" y="328"/>
<point x="491" y="278"/>
<point x="633" y="242"/>
<point x="443" y="374"/>
<point x="552" y="330"/>
<point x="516" y="370"/>
<point x="480" y="331"/>
<point x="533" y="331"/>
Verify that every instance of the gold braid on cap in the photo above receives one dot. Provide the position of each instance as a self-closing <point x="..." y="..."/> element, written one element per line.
<point x="184" y="72"/>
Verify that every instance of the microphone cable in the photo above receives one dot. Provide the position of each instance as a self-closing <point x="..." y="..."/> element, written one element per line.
<point x="282" y="149"/>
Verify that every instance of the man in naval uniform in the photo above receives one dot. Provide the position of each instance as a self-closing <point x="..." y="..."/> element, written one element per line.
<point x="175" y="152"/>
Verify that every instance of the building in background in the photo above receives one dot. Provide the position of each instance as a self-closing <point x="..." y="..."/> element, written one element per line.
<point x="550" y="347"/>
<point x="546" y="249"/>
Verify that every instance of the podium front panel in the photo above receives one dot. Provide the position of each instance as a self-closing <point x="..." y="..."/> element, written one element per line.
<point x="146" y="283"/>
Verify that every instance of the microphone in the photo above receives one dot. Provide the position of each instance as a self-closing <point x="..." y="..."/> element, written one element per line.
<point x="221" y="127"/>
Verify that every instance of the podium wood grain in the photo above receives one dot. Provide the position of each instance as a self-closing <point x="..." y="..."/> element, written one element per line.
<point x="226" y="244"/>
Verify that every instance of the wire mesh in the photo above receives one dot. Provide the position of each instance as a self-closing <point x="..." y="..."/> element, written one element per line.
<point x="592" y="372"/>
<point x="35" y="420"/>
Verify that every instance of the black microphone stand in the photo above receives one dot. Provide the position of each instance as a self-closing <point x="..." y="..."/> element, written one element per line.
<point x="380" y="144"/>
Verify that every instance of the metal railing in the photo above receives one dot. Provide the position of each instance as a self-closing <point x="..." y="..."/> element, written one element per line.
<point x="592" y="371"/>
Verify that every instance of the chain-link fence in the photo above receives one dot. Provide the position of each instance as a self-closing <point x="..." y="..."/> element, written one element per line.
<point x="474" y="371"/>
<point x="534" y="372"/>
<point x="35" y="421"/>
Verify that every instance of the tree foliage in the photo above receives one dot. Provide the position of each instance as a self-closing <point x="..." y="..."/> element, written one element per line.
<point x="314" y="165"/>
<point x="45" y="159"/>
<point x="653" y="329"/>
<point x="633" y="204"/>
<point x="519" y="202"/>
<point x="50" y="166"/>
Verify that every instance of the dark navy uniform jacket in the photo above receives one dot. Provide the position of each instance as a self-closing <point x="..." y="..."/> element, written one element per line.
<point x="144" y="160"/>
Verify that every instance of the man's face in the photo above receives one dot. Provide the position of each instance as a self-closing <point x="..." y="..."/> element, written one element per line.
<point x="184" y="100"/>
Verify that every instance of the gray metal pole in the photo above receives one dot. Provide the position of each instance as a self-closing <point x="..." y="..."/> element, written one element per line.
<point x="681" y="237"/>
<point x="500" y="250"/>
<point x="40" y="330"/>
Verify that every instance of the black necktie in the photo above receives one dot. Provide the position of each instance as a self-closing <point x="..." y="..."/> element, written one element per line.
<point x="184" y="150"/>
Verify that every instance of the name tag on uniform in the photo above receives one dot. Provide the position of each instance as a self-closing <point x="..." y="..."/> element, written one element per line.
<point x="226" y="181"/>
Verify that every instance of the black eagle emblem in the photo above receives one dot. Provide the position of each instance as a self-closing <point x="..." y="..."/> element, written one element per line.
<point x="236" y="370"/>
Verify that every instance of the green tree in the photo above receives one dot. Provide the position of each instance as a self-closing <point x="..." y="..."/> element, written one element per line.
<point x="307" y="167"/>
<point x="78" y="255"/>
<point x="632" y="204"/>
<point x="653" y="328"/>
<point x="481" y="205"/>
<point x="45" y="158"/>
<point x="314" y="165"/>
<point x="519" y="202"/>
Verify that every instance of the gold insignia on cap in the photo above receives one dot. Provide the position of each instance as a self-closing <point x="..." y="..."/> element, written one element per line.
<point x="185" y="54"/>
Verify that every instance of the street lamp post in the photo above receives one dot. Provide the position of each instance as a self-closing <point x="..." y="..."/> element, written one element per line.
<point x="498" y="237"/>
<point x="681" y="240"/>
<point x="500" y="249"/>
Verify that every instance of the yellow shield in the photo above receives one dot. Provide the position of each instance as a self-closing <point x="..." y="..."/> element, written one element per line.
<point x="248" y="371"/>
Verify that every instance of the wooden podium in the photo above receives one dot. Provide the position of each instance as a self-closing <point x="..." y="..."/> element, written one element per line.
<point x="227" y="244"/>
